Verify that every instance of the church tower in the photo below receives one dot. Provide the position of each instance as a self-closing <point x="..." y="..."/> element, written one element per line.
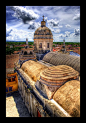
<point x="27" y="41"/>
<point x="43" y="38"/>
<point x="63" y="47"/>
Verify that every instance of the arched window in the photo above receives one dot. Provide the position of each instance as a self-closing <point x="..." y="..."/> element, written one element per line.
<point x="31" y="52"/>
<point x="25" y="53"/>
<point x="47" y="45"/>
<point x="40" y="45"/>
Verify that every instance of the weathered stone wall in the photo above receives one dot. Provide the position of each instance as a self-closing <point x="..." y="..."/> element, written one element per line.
<point x="44" y="43"/>
<point x="30" y="100"/>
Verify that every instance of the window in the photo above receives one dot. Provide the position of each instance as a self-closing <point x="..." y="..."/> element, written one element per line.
<point x="6" y="89"/>
<point x="40" y="45"/>
<point x="9" y="79"/>
<point x="47" y="45"/>
<point x="10" y="88"/>
<point x="13" y="78"/>
<point x="25" y="53"/>
<point x="31" y="53"/>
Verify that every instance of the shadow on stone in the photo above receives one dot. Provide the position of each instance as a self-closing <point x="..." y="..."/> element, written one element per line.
<point x="22" y="109"/>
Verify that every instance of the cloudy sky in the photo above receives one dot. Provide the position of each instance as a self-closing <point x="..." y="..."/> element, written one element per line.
<point x="22" y="21"/>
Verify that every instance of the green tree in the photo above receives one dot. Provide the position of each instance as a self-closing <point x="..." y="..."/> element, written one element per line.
<point x="53" y="45"/>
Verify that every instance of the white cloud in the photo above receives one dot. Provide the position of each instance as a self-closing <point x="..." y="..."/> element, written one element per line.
<point x="34" y="25"/>
<point x="57" y="31"/>
<point x="8" y="30"/>
<point x="67" y="25"/>
<point x="53" y="23"/>
<point x="76" y="17"/>
<point x="76" y="32"/>
<point x="61" y="35"/>
<point x="67" y="34"/>
<point x="60" y="26"/>
<point x="20" y="35"/>
<point x="24" y="14"/>
<point x="45" y="18"/>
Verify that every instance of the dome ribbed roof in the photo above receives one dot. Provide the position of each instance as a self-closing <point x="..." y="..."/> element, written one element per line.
<point x="40" y="30"/>
<point x="68" y="96"/>
<point x="43" y="29"/>
<point x="57" y="75"/>
<point x="63" y="59"/>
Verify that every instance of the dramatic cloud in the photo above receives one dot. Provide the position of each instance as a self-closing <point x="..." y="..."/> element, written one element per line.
<point x="24" y="14"/>
<point x="76" y="17"/>
<point x="53" y="23"/>
<point x="34" y="25"/>
<point x="63" y="21"/>
<point x="76" y="32"/>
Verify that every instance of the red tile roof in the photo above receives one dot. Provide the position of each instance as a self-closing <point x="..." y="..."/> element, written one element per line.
<point x="11" y="59"/>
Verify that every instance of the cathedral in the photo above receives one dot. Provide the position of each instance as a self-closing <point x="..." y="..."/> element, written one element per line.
<point x="43" y="38"/>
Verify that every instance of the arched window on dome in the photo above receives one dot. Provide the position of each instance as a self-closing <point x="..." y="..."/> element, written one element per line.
<point x="47" y="45"/>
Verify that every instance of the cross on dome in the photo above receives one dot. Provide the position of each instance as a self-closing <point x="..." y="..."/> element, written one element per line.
<point x="43" y="17"/>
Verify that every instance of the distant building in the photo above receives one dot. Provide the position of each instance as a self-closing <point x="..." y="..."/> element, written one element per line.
<point x="64" y="42"/>
<point x="57" y="48"/>
<point x="26" y="54"/>
<point x="63" y="47"/>
<point x="16" y="52"/>
<point x="27" y="41"/>
<point x="11" y="46"/>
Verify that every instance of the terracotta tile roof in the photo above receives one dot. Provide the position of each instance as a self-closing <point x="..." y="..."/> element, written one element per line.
<point x="11" y="59"/>
<point x="15" y="52"/>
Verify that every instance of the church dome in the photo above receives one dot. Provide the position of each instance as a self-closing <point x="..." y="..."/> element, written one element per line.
<point x="68" y="96"/>
<point x="57" y="75"/>
<point x="43" y="30"/>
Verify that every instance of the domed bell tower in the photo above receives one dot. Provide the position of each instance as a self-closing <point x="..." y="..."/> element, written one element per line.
<point x="63" y="47"/>
<point x="43" y="38"/>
